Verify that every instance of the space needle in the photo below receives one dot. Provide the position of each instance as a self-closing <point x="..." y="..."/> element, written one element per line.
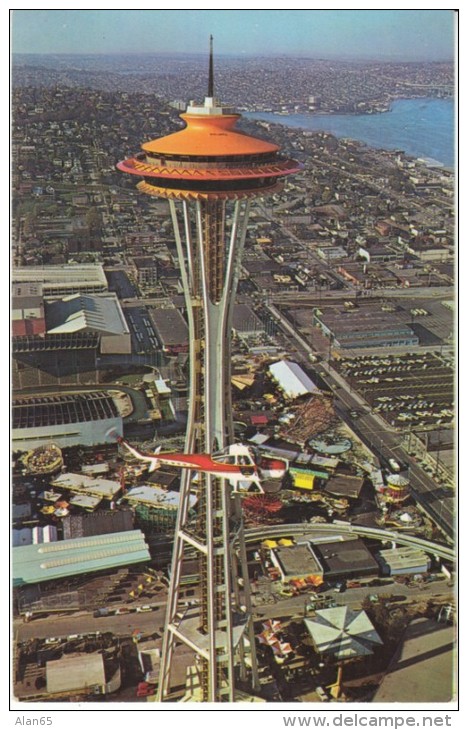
<point x="210" y="172"/>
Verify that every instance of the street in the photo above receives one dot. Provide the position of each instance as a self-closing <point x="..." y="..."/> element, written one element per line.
<point x="147" y="622"/>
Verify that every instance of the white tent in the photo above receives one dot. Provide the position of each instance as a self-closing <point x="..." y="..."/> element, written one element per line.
<point x="291" y="378"/>
<point x="342" y="632"/>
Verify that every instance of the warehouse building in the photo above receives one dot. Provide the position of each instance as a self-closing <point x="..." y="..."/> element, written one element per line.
<point x="171" y="330"/>
<point x="363" y="327"/>
<point x="65" y="279"/>
<point x="292" y="379"/>
<point x="345" y="559"/>
<point x="66" y="420"/>
<point x="297" y="562"/>
<point x="403" y="561"/>
<point x="41" y="562"/>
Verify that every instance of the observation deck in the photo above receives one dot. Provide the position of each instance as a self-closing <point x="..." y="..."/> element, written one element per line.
<point x="209" y="159"/>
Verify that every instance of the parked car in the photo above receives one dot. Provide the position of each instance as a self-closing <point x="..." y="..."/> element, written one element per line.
<point x="144" y="689"/>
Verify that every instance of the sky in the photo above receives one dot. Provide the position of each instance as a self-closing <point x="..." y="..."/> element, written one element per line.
<point x="388" y="34"/>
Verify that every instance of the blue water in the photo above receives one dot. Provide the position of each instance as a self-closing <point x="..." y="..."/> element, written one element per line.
<point x="419" y="127"/>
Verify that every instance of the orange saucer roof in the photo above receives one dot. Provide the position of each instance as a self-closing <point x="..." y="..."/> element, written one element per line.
<point x="210" y="135"/>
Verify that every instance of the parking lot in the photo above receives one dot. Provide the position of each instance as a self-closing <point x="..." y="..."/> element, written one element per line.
<point x="144" y="339"/>
<point x="413" y="389"/>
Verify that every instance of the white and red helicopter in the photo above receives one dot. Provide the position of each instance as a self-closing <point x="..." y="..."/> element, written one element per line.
<point x="236" y="464"/>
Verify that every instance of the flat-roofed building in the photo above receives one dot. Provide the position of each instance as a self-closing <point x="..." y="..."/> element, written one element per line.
<point x="245" y="322"/>
<point x="171" y="329"/>
<point x="98" y="523"/>
<point x="76" y="673"/>
<point x="155" y="497"/>
<point x="88" y="486"/>
<point x="367" y="276"/>
<point x="430" y="251"/>
<point x="292" y="379"/>
<point x="60" y="280"/>
<point x="345" y="558"/>
<point x="331" y="253"/>
<point x="364" y="327"/>
<point x="296" y="562"/>
<point x="403" y="560"/>
<point x="345" y="485"/>
<point x="67" y="420"/>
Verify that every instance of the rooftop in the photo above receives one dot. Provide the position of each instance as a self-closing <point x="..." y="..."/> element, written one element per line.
<point x="209" y="135"/>
<point x="371" y="320"/>
<point x="82" y="484"/>
<point x="344" y="485"/>
<point x="85" y="313"/>
<point x="171" y="327"/>
<point x="75" y="672"/>
<point x="100" y="523"/>
<point x="47" y="561"/>
<point x="402" y="558"/>
<point x="76" y="276"/>
<point x="208" y="158"/>
<point x="346" y="558"/>
<point x="36" y="412"/>
<point x="297" y="561"/>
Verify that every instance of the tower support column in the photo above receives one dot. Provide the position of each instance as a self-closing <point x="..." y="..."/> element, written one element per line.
<point x="210" y="282"/>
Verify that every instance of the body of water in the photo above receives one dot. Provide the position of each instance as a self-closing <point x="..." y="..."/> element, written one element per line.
<point x="419" y="127"/>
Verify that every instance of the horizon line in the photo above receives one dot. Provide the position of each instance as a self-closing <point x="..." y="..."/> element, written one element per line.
<point x="303" y="56"/>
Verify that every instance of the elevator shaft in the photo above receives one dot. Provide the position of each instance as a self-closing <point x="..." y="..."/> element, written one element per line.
<point x="209" y="258"/>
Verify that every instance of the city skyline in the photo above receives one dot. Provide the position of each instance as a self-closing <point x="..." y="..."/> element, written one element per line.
<point x="155" y="328"/>
<point x="411" y="35"/>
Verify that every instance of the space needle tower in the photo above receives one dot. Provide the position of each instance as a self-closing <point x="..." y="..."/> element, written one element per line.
<point x="210" y="172"/>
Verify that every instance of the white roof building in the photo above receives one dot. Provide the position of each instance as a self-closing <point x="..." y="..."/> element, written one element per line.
<point x="100" y="313"/>
<point x="291" y="378"/>
<point x="403" y="560"/>
<point x="57" y="280"/>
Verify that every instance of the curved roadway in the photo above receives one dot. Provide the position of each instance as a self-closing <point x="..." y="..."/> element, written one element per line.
<point x="272" y="531"/>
